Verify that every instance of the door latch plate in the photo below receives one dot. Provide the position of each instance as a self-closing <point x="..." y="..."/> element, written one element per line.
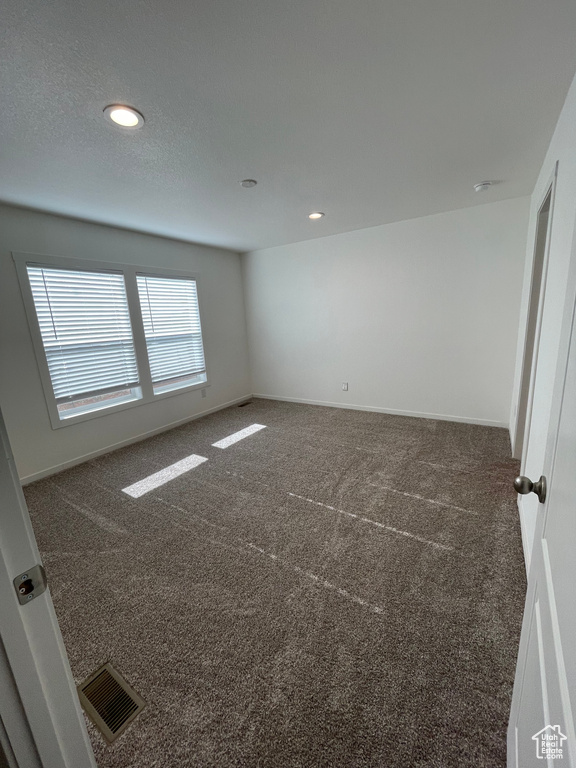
<point x="30" y="584"/>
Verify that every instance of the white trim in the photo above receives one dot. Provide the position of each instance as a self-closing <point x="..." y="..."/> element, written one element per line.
<point x="560" y="663"/>
<point x="549" y="189"/>
<point x="115" y="446"/>
<point x="525" y="548"/>
<point x="392" y="411"/>
<point x="6" y="752"/>
<point x="12" y="710"/>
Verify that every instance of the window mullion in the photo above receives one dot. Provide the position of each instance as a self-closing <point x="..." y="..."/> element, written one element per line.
<point x="138" y="333"/>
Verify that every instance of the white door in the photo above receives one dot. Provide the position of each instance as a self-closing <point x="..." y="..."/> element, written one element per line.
<point x="40" y="717"/>
<point x="541" y="730"/>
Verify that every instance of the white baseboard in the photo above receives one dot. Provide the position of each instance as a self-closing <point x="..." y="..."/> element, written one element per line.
<point x="108" y="449"/>
<point x="375" y="409"/>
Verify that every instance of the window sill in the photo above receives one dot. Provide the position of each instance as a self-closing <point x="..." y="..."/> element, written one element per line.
<point x="122" y="406"/>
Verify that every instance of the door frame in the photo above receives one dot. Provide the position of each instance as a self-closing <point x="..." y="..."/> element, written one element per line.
<point x="522" y="420"/>
<point x="41" y="717"/>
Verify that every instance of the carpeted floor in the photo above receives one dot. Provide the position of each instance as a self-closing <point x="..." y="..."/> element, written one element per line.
<point x="341" y="589"/>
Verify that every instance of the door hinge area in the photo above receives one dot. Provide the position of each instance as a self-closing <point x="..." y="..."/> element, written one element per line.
<point x="30" y="584"/>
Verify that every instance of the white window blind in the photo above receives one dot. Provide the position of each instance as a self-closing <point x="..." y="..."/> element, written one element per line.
<point x="86" y="331"/>
<point x="171" y="320"/>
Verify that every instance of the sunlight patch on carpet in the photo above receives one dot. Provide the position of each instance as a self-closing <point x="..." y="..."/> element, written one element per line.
<point x="231" y="439"/>
<point x="163" y="476"/>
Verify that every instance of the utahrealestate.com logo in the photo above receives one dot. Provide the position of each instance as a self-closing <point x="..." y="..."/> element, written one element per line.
<point x="549" y="743"/>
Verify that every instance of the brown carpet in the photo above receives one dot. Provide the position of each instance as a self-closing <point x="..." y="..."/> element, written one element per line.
<point x="340" y="589"/>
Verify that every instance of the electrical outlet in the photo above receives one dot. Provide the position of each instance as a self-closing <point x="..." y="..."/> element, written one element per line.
<point x="203" y="392"/>
<point x="344" y="386"/>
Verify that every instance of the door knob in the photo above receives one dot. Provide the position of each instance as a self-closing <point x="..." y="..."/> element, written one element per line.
<point x="525" y="485"/>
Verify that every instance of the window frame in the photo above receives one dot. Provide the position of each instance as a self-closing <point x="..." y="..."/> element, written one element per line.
<point x="129" y="272"/>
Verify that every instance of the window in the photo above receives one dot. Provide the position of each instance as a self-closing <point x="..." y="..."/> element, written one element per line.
<point x="172" y="329"/>
<point x="109" y="336"/>
<point x="87" y="337"/>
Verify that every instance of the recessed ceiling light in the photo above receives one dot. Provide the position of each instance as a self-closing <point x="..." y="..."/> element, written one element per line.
<point x="315" y="215"/>
<point x="248" y="183"/>
<point x="126" y="117"/>
<point x="482" y="186"/>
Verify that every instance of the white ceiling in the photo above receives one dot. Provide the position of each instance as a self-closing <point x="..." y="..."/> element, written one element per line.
<point x="370" y="110"/>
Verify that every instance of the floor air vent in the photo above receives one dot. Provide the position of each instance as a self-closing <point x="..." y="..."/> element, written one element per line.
<point x="242" y="405"/>
<point x="109" y="701"/>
